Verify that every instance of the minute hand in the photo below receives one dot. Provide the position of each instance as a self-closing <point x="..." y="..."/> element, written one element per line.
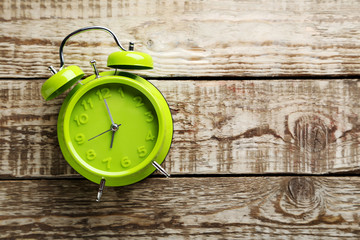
<point x="107" y="107"/>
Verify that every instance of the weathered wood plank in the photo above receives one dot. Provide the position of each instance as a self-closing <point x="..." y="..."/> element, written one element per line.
<point x="221" y="127"/>
<point x="183" y="208"/>
<point x="186" y="38"/>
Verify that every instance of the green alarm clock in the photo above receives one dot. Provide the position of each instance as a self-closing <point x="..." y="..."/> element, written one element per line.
<point x="114" y="128"/>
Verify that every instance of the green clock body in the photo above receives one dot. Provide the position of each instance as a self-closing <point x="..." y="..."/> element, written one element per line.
<point x="125" y="156"/>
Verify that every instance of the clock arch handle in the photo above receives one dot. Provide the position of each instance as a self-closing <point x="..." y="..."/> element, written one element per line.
<point x="62" y="62"/>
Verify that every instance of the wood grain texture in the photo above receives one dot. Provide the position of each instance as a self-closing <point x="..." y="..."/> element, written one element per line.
<point x="221" y="127"/>
<point x="186" y="38"/>
<point x="183" y="208"/>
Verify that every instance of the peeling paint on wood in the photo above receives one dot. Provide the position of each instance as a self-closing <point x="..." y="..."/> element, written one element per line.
<point x="241" y="127"/>
<point x="305" y="123"/>
<point x="185" y="208"/>
<point x="186" y="38"/>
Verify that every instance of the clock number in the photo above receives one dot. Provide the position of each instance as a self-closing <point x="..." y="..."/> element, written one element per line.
<point x="80" y="138"/>
<point x="87" y="104"/>
<point x="150" y="116"/>
<point x="142" y="151"/>
<point x="103" y="93"/>
<point x="125" y="162"/>
<point x="81" y="119"/>
<point x="90" y="154"/>
<point x="99" y="94"/>
<point x="139" y="102"/>
<point x="107" y="161"/>
<point x="121" y="92"/>
<point x="149" y="136"/>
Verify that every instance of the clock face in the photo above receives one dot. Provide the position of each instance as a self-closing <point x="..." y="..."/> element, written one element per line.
<point x="112" y="128"/>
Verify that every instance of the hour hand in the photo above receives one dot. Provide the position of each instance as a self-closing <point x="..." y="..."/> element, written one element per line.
<point x="114" y="128"/>
<point x="112" y="139"/>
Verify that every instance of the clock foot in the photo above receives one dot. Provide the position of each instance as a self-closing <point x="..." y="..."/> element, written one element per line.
<point x="101" y="188"/>
<point x="160" y="169"/>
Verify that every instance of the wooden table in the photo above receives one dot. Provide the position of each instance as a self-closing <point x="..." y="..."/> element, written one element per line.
<point x="265" y="101"/>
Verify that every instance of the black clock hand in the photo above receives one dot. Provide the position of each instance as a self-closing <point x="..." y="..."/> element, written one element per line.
<point x="112" y="139"/>
<point x="111" y="129"/>
<point x="114" y="127"/>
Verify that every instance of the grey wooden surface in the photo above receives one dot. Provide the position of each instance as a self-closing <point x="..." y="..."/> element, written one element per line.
<point x="264" y="96"/>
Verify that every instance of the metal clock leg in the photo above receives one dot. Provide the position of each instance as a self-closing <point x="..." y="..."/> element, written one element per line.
<point x="160" y="169"/>
<point x="101" y="188"/>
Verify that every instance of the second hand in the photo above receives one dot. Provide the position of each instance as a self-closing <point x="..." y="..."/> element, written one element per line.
<point x="114" y="127"/>
<point x="100" y="134"/>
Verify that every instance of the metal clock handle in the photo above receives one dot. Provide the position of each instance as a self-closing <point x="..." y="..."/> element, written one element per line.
<point x="62" y="62"/>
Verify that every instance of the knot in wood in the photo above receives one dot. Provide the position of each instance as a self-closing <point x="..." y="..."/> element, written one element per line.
<point x="311" y="133"/>
<point x="301" y="190"/>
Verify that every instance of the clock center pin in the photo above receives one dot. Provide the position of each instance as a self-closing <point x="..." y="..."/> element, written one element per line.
<point x="115" y="127"/>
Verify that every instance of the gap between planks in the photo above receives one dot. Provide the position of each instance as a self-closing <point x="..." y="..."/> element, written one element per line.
<point x="315" y="207"/>
<point x="190" y="176"/>
<point x="221" y="78"/>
